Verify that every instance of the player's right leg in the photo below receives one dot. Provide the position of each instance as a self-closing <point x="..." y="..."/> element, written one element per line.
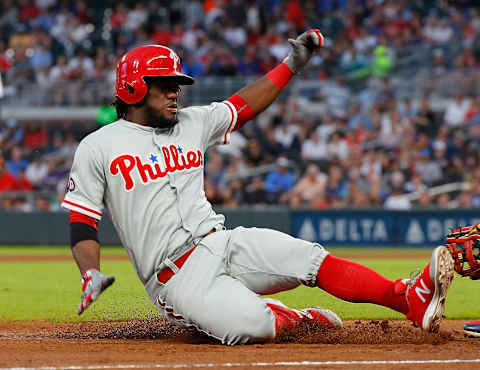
<point x="202" y="295"/>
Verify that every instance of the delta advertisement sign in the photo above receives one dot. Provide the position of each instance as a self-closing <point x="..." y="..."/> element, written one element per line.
<point x="379" y="228"/>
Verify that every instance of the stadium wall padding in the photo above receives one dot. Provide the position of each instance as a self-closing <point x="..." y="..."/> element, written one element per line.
<point x="365" y="228"/>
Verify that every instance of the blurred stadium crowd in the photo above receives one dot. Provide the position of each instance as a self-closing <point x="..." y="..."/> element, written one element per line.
<point x="388" y="110"/>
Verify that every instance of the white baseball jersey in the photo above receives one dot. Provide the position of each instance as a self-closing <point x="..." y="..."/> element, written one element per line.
<point x="151" y="182"/>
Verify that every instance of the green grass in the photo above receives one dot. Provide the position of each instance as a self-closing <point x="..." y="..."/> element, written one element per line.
<point x="51" y="290"/>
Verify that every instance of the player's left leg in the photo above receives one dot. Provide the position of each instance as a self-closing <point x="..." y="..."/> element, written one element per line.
<point x="269" y="261"/>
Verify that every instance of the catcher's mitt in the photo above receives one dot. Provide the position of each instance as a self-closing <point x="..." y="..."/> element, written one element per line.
<point x="464" y="246"/>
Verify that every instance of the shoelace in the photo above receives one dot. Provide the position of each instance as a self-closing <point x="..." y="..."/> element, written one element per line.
<point x="413" y="276"/>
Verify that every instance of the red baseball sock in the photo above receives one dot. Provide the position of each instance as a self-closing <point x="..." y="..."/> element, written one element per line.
<point x="353" y="282"/>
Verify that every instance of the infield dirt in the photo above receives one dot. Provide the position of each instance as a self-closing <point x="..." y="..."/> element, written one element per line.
<point x="155" y="341"/>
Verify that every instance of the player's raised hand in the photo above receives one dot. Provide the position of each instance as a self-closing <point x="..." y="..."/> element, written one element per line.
<point x="93" y="284"/>
<point x="303" y="48"/>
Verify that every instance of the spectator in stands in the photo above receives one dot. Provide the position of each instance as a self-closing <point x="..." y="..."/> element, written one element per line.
<point x="7" y="203"/>
<point x="313" y="149"/>
<point x="22" y="182"/>
<point x="7" y="181"/>
<point x="464" y="200"/>
<point x="37" y="171"/>
<point x="16" y="163"/>
<point x="430" y="170"/>
<point x="36" y="137"/>
<point x="438" y="31"/>
<point x="231" y="38"/>
<point x="253" y="153"/>
<point x="20" y="204"/>
<point x="475" y="193"/>
<point x="415" y="184"/>
<point x="443" y="200"/>
<point x="424" y="200"/>
<point x="397" y="199"/>
<point x="255" y="192"/>
<point x="310" y="188"/>
<point x="382" y="63"/>
<point x="233" y="196"/>
<point x="337" y="146"/>
<point x="424" y="120"/>
<point x="42" y="204"/>
<point x="456" y="110"/>
<point x="279" y="181"/>
<point x="336" y="186"/>
<point x="473" y="114"/>
<point x="287" y="135"/>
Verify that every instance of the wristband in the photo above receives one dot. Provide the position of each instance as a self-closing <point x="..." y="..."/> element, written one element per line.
<point x="280" y="75"/>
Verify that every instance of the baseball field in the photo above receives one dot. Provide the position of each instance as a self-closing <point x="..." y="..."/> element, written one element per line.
<point x="40" y="290"/>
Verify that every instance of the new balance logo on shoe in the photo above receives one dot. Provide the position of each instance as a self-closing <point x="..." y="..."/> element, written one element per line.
<point x="420" y="291"/>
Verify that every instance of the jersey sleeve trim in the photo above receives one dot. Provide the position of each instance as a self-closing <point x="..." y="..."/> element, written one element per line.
<point x="80" y="217"/>
<point x="81" y="207"/>
<point x="233" y="112"/>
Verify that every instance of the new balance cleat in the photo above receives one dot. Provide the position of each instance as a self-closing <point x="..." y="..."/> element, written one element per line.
<point x="291" y="317"/>
<point x="322" y="316"/>
<point x="426" y="293"/>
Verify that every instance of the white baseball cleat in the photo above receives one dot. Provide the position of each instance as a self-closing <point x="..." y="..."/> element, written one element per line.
<point x="427" y="291"/>
<point x="322" y="316"/>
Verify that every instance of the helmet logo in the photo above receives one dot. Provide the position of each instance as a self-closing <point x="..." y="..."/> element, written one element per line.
<point x="153" y="63"/>
<point x="175" y="59"/>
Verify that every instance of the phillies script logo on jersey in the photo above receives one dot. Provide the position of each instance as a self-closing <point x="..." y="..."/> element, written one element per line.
<point x="173" y="160"/>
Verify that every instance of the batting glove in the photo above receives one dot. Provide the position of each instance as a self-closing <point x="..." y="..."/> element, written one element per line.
<point x="303" y="48"/>
<point x="93" y="284"/>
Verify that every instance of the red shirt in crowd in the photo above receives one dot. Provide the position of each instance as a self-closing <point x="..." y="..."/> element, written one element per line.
<point x="7" y="182"/>
<point x="23" y="183"/>
<point x="295" y="14"/>
<point x="36" y="139"/>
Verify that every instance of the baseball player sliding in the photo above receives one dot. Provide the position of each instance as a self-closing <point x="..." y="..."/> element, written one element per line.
<point x="147" y="170"/>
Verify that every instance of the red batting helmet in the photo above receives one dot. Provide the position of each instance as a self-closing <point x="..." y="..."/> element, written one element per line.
<point x="146" y="61"/>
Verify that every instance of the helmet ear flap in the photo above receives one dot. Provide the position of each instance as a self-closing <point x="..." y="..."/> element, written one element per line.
<point x="129" y="87"/>
<point x="134" y="91"/>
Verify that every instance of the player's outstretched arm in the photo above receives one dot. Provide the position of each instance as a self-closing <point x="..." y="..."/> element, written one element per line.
<point x="256" y="97"/>
<point x="86" y="252"/>
<point x="87" y="256"/>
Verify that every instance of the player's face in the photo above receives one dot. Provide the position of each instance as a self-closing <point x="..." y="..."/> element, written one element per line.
<point x="161" y="104"/>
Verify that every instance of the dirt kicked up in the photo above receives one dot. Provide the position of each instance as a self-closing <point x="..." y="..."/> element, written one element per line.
<point x="157" y="343"/>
